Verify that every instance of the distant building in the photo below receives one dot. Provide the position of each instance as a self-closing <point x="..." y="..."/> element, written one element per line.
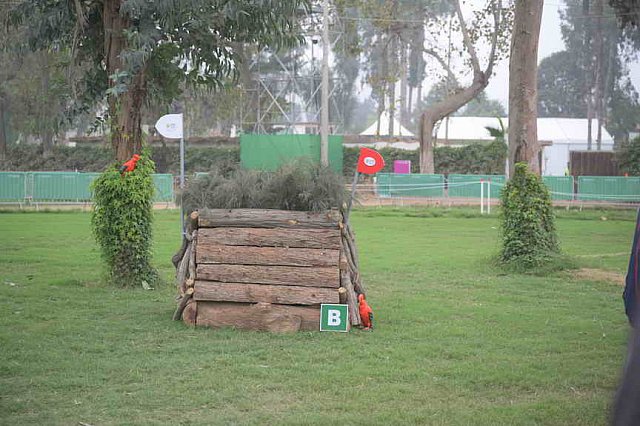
<point x="558" y="136"/>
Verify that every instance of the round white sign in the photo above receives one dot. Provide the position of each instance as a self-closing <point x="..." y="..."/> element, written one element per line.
<point x="370" y="161"/>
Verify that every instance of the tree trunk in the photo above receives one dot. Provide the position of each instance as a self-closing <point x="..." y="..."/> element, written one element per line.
<point x="46" y="133"/>
<point x="403" y="84"/>
<point x="440" y="110"/>
<point x="3" y="128"/>
<point x="599" y="51"/>
<point x="126" y="127"/>
<point x="523" y="84"/>
<point x="124" y="108"/>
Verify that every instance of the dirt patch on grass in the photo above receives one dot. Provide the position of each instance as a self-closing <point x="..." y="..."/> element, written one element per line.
<point x="598" y="275"/>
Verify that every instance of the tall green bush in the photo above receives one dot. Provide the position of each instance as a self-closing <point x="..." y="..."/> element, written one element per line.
<point x="528" y="224"/>
<point x="121" y="222"/>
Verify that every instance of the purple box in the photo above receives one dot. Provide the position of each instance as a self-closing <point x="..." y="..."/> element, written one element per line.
<point x="402" y="166"/>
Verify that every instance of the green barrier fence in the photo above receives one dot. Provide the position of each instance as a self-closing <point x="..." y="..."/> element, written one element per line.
<point x="608" y="188"/>
<point x="164" y="187"/>
<point x="410" y="185"/>
<point x="269" y="152"/>
<point x="64" y="187"/>
<point x="13" y="186"/>
<point x="468" y="186"/>
<point x="561" y="187"/>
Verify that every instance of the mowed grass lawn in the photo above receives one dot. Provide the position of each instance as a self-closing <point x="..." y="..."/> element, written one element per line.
<point x="456" y="340"/>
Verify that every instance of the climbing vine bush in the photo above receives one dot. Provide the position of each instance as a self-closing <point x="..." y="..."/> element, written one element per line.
<point x="121" y="222"/>
<point x="528" y="224"/>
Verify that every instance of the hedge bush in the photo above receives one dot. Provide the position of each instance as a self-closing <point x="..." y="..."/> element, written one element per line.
<point x="122" y="223"/>
<point x="528" y="224"/>
<point x="476" y="159"/>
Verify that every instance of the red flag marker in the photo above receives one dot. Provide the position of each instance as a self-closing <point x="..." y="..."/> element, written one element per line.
<point x="370" y="161"/>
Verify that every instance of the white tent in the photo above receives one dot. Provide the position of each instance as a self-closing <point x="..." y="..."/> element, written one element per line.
<point x="563" y="134"/>
<point x="398" y="129"/>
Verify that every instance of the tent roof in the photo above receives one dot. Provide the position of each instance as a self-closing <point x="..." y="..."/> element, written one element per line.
<point x="398" y="129"/>
<point x="559" y="130"/>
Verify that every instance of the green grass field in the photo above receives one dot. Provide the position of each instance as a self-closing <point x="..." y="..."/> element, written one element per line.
<point x="456" y="341"/>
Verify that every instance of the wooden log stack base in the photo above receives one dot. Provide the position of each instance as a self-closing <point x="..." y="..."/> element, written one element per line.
<point x="266" y="270"/>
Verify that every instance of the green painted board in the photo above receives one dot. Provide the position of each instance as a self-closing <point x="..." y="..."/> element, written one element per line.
<point x="269" y="152"/>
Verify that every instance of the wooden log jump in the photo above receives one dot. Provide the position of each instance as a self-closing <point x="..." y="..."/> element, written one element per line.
<point x="265" y="270"/>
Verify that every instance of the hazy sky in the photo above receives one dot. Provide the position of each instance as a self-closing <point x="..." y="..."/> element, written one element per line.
<point x="550" y="42"/>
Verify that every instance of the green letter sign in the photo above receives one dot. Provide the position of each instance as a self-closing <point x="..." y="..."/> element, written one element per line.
<point x="334" y="318"/>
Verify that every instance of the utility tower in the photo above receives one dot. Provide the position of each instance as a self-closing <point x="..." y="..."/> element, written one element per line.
<point x="284" y="92"/>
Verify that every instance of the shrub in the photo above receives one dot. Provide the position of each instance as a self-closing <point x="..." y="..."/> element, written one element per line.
<point x="629" y="157"/>
<point x="528" y="229"/>
<point x="121" y="220"/>
<point x="297" y="186"/>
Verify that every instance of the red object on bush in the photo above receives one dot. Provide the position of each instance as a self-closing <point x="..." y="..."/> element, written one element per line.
<point x="130" y="165"/>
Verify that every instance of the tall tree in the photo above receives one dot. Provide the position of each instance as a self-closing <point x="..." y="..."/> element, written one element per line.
<point x="136" y="51"/>
<point x="566" y="78"/>
<point x="523" y="87"/>
<point x="492" y="24"/>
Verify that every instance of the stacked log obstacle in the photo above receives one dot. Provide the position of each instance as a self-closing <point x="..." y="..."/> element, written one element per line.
<point x="265" y="270"/>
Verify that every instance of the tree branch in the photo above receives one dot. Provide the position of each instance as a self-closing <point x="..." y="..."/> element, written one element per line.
<point x="442" y="63"/>
<point x="467" y="41"/>
<point x="494" y="38"/>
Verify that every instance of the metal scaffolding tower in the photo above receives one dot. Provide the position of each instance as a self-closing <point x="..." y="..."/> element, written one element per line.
<point x="284" y="93"/>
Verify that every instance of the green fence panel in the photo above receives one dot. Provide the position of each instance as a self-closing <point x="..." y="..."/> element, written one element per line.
<point x="269" y="152"/>
<point x="409" y="185"/>
<point x="164" y="187"/>
<point x="561" y="187"/>
<point x="55" y="186"/>
<point x="608" y="188"/>
<point x="13" y="186"/>
<point x="468" y="186"/>
<point x="84" y="185"/>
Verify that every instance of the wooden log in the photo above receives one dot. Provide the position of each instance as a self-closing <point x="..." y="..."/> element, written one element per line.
<point x="253" y="293"/>
<point x="190" y="226"/>
<point x="273" y="237"/>
<point x="342" y="295"/>
<point x="345" y="258"/>
<point x="277" y="275"/>
<point x="208" y="252"/>
<point x="260" y="316"/>
<point x="192" y="255"/>
<point x="190" y="313"/>
<point x="351" y="253"/>
<point x="262" y="218"/>
<point x="181" y="273"/>
<point x="351" y="299"/>
<point x="183" y="304"/>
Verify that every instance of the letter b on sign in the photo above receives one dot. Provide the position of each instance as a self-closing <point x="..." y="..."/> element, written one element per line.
<point x="334" y="318"/>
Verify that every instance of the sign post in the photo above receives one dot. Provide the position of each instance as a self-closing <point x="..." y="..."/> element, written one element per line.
<point x="171" y="126"/>
<point x="370" y="162"/>
<point x="334" y="318"/>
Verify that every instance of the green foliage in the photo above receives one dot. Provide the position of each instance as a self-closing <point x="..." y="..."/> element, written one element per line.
<point x="297" y="186"/>
<point x="471" y="159"/>
<point x="26" y="158"/>
<point x="175" y="44"/>
<point x="476" y="159"/>
<point x="629" y="157"/>
<point x="122" y="223"/>
<point x="95" y="158"/>
<point x="528" y="223"/>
